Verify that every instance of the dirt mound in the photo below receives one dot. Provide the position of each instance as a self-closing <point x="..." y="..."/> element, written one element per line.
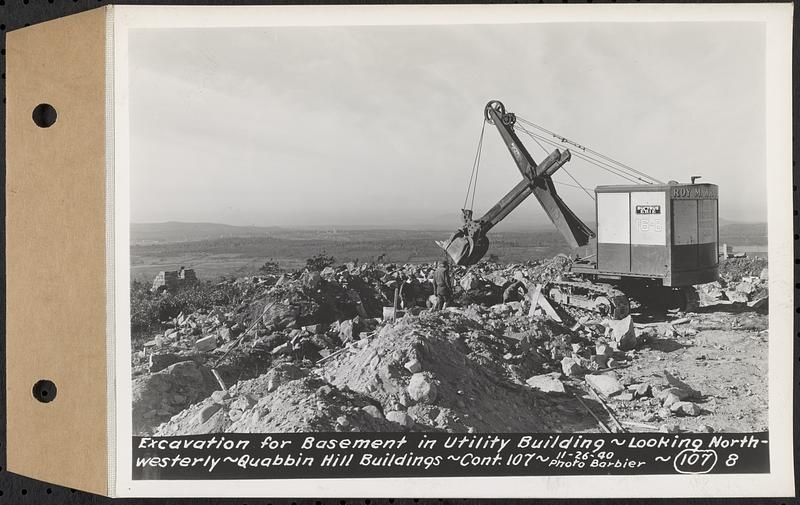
<point x="734" y="269"/>
<point x="158" y="396"/>
<point x="445" y="371"/>
<point x="286" y="399"/>
<point x="742" y="281"/>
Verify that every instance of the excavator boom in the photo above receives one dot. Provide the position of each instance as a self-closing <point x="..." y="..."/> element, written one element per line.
<point x="469" y="243"/>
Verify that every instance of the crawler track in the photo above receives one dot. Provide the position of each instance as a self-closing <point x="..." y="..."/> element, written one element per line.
<point x="583" y="297"/>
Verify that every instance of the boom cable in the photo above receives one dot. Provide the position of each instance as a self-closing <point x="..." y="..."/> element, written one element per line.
<point x="592" y="151"/>
<point x="579" y="185"/>
<point x="600" y="164"/>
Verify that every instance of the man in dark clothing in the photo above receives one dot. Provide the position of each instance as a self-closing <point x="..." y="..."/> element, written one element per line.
<point x="443" y="285"/>
<point x="408" y="290"/>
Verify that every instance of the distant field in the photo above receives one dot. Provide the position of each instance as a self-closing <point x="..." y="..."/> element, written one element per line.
<point x="238" y="256"/>
<point x="244" y="255"/>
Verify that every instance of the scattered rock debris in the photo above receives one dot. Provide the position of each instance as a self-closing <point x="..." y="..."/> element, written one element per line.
<point x="310" y="351"/>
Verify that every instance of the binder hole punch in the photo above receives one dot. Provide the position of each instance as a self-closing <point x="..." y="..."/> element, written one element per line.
<point x="45" y="391"/>
<point x="44" y="115"/>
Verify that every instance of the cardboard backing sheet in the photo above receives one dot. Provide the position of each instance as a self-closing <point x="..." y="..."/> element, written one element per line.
<point x="56" y="252"/>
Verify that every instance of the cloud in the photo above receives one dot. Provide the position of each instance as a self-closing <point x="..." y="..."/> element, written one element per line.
<point x="379" y="125"/>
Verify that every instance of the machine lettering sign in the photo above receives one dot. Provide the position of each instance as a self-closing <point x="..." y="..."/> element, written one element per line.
<point x="648" y="209"/>
<point x="701" y="193"/>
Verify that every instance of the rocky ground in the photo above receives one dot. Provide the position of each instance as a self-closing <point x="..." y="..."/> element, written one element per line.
<point x="317" y="351"/>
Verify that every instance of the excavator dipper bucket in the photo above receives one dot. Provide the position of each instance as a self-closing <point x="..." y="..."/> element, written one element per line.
<point x="465" y="248"/>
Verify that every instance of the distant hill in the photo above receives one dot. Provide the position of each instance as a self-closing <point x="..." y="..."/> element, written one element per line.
<point x="730" y="232"/>
<point x="742" y="234"/>
<point x="174" y="231"/>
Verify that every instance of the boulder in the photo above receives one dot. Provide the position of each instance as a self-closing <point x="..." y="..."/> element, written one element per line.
<point x="547" y="383"/>
<point x="622" y="333"/>
<point x="602" y="349"/>
<point x="685" y="409"/>
<point x="401" y="418"/>
<point x="760" y="303"/>
<point x="674" y="382"/>
<point x="347" y="331"/>
<point x="207" y="412"/>
<point x="219" y="396"/>
<point x="159" y="362"/>
<point x="670" y="399"/>
<point x="571" y="367"/>
<point x="469" y="282"/>
<point x="421" y="388"/>
<point x="764" y="276"/>
<point x="184" y="383"/>
<point x="681" y="393"/>
<point x="413" y="366"/>
<point x="642" y="390"/>
<point x="234" y="415"/>
<point x="736" y="296"/>
<point x="206" y="344"/>
<point x="373" y="411"/>
<point x="244" y="402"/>
<point x="606" y="384"/>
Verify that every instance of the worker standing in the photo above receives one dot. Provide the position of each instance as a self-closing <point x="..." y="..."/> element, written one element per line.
<point x="443" y="285"/>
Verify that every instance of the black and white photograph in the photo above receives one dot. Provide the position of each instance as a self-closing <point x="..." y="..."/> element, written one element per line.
<point x="456" y="230"/>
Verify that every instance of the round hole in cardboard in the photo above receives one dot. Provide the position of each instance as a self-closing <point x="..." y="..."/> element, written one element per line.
<point x="45" y="391"/>
<point x="44" y="115"/>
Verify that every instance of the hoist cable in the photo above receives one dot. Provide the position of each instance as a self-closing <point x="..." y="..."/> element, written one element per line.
<point x="592" y="151"/>
<point x="566" y="184"/>
<point x="605" y="166"/>
<point x="586" y="158"/>
<point x="538" y="143"/>
<point x="579" y="185"/>
<point x="565" y="140"/>
<point x="600" y="164"/>
<point x="475" y="164"/>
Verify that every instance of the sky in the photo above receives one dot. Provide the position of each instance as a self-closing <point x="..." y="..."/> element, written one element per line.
<point x="378" y="126"/>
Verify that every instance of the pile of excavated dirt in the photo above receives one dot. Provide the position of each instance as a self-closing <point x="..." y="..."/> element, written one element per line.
<point x="158" y="396"/>
<point x="439" y="371"/>
<point x="741" y="281"/>
<point x="445" y="371"/>
<point x="286" y="399"/>
<point x="734" y="269"/>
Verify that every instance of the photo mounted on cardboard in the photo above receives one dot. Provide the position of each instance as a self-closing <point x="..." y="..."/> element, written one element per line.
<point x="353" y="249"/>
